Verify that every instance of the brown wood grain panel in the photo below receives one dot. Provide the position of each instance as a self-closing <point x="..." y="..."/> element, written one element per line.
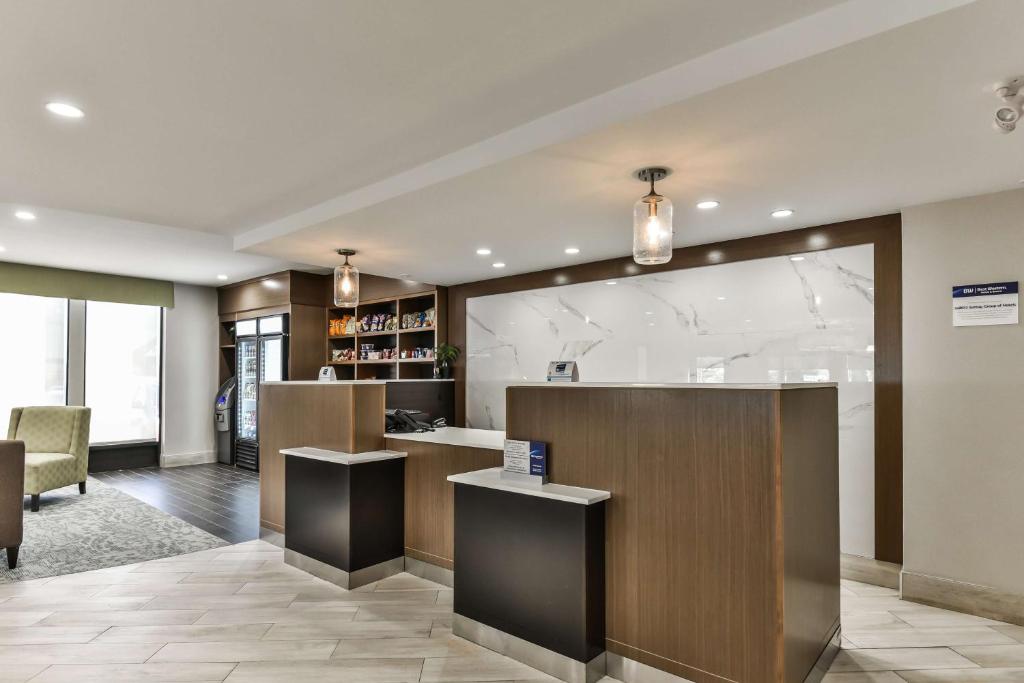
<point x="810" y="485"/>
<point x="430" y="497"/>
<point x="884" y="232"/>
<point x="694" y="530"/>
<point x="263" y="292"/>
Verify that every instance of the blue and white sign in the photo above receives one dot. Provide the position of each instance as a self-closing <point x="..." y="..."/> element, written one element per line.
<point x="994" y="303"/>
<point x="526" y="461"/>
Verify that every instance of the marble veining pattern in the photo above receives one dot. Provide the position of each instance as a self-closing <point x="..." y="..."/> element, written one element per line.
<point x="767" y="320"/>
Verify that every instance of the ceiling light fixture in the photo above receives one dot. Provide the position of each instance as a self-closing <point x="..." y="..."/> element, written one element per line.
<point x="483" y="251"/>
<point x="498" y="264"/>
<point x="652" y="222"/>
<point x="24" y="215"/>
<point x="708" y="204"/>
<point x="572" y="251"/>
<point x="346" y="282"/>
<point x="611" y="282"/>
<point x="782" y="213"/>
<point x="2" y="248"/>
<point x="68" y="111"/>
<point x="222" y="277"/>
<point x="796" y="258"/>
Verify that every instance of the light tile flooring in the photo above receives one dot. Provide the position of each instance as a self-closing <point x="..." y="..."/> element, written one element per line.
<point x="240" y="614"/>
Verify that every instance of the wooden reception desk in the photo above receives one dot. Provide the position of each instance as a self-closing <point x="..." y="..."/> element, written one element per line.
<point x="722" y="536"/>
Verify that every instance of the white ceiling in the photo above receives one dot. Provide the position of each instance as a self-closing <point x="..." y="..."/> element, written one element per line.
<point x="241" y="136"/>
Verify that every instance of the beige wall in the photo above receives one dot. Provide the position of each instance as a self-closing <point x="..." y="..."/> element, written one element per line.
<point x="190" y="375"/>
<point x="963" y="396"/>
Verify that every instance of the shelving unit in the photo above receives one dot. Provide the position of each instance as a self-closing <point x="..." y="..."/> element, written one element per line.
<point x="400" y="339"/>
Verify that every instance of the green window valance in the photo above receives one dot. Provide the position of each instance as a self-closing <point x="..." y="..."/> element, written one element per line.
<point x="21" y="278"/>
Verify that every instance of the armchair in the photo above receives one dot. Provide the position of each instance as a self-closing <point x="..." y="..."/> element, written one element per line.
<point x="56" y="447"/>
<point x="12" y="498"/>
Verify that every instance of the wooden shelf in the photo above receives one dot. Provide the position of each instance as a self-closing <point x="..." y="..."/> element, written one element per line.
<point x="382" y="361"/>
<point x="341" y="362"/>
<point x="227" y="346"/>
<point x="383" y="333"/>
<point x="415" y="360"/>
<point x="341" y="336"/>
<point x="417" y="329"/>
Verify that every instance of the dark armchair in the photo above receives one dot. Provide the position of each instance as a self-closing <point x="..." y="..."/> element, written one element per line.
<point x="12" y="497"/>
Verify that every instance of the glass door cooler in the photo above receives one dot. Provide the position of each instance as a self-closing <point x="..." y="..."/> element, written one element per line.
<point x="262" y="355"/>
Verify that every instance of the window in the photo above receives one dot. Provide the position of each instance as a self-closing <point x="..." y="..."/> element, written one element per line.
<point x="33" y="353"/>
<point x="122" y="371"/>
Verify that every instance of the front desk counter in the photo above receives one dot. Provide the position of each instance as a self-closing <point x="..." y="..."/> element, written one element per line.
<point x="431" y="457"/>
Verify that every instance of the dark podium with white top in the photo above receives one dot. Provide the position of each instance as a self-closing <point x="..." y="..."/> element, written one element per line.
<point x="345" y="514"/>
<point x="529" y="572"/>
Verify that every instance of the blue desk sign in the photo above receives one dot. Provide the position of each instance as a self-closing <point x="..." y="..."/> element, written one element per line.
<point x="526" y="461"/>
<point x="994" y="303"/>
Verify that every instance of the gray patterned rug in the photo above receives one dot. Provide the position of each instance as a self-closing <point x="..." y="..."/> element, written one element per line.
<point x="104" y="528"/>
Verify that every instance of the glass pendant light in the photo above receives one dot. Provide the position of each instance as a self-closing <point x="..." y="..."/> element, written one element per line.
<point x="652" y="222"/>
<point x="346" y="282"/>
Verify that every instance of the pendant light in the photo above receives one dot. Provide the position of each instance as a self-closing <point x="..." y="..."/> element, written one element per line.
<point x="652" y="222"/>
<point x="346" y="282"/>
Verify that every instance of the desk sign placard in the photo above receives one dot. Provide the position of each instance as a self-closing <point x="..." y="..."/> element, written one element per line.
<point x="563" y="371"/>
<point x="526" y="461"/>
<point x="995" y="303"/>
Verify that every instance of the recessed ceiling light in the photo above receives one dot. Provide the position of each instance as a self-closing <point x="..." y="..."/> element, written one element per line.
<point x="25" y="215"/>
<point x="796" y="258"/>
<point x="611" y="282"/>
<point x="498" y="264"/>
<point x="782" y="213"/>
<point x="870" y="348"/>
<point x="2" y="248"/>
<point x="572" y="250"/>
<point x="222" y="276"/>
<point x="707" y="204"/>
<point x="720" y="298"/>
<point x="483" y="251"/>
<point x="68" y="111"/>
<point x="648" y="312"/>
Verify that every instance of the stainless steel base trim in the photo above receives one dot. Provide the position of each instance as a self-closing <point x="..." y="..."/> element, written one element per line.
<point x="340" y="577"/>
<point x="824" y="662"/>
<point x="540" y="658"/>
<point x="631" y="671"/>
<point x="430" y="572"/>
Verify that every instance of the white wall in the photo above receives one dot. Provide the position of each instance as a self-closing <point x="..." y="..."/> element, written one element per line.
<point x="963" y="396"/>
<point x="190" y="376"/>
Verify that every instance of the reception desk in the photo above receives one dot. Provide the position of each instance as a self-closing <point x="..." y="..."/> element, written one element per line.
<point x="722" y="530"/>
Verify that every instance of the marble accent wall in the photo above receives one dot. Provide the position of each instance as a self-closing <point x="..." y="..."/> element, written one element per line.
<point x="807" y="318"/>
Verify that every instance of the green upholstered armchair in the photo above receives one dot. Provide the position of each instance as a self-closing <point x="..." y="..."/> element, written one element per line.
<point x="56" y="447"/>
<point x="12" y="498"/>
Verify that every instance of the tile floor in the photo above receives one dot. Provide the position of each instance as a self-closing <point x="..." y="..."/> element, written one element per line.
<point x="219" y="499"/>
<point x="240" y="614"/>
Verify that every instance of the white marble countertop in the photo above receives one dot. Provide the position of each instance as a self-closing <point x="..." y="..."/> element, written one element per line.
<point x="356" y="381"/>
<point x="491" y="479"/>
<point x="340" y="457"/>
<point x="457" y="436"/>
<point x="671" y="385"/>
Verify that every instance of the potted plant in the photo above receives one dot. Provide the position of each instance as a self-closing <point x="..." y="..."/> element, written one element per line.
<point x="445" y="356"/>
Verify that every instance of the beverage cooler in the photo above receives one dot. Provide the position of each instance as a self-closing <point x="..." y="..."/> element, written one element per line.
<point x="261" y="352"/>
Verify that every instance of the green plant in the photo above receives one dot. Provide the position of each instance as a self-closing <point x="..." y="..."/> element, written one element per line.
<point x="446" y="354"/>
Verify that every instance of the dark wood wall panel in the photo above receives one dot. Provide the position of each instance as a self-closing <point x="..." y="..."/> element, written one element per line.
<point x="692" y="524"/>
<point x="884" y="232"/>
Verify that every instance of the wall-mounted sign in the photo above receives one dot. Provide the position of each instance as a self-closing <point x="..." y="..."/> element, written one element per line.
<point x="528" y="458"/>
<point x="563" y="371"/>
<point x="994" y="303"/>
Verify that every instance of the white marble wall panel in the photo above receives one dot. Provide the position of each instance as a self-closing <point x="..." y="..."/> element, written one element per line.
<point x="782" y="319"/>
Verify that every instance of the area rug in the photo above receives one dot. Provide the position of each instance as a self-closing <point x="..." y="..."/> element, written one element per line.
<point x="104" y="528"/>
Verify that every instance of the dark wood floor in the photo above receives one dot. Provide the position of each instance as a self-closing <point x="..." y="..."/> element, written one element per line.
<point x="219" y="499"/>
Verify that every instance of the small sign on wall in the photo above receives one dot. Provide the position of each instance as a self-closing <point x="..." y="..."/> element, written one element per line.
<point x="994" y="303"/>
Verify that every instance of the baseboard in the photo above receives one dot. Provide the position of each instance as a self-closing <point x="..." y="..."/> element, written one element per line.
<point x="960" y="596"/>
<point x="180" y="459"/>
<point x="867" y="570"/>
